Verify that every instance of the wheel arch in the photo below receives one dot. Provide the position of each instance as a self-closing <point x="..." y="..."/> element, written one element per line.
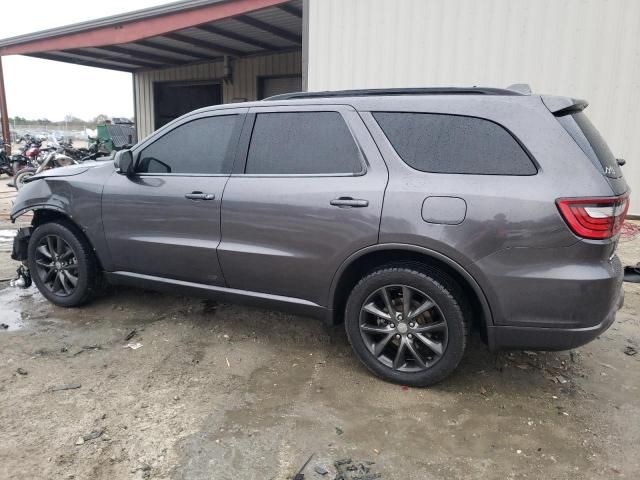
<point x="367" y="259"/>
<point x="49" y="213"/>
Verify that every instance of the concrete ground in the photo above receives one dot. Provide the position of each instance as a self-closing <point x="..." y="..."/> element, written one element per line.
<point x="211" y="391"/>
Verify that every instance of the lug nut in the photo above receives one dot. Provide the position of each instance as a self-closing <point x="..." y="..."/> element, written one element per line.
<point x="392" y="325"/>
<point x="410" y="336"/>
<point x="412" y="324"/>
<point x="397" y="335"/>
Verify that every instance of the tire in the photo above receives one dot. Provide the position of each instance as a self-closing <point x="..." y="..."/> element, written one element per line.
<point x="50" y="244"/>
<point x="419" y="338"/>
<point x="18" y="180"/>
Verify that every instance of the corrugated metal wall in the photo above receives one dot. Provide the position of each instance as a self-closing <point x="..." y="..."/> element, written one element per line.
<point x="244" y="86"/>
<point x="583" y="48"/>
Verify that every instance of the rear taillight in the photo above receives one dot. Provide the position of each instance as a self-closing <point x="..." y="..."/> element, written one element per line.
<point x="594" y="218"/>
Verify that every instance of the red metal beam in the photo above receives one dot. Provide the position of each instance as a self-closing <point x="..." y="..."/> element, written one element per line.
<point x="6" y="133"/>
<point x="140" y="29"/>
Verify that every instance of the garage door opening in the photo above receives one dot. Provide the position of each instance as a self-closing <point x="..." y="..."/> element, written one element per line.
<point x="269" y="86"/>
<point x="173" y="99"/>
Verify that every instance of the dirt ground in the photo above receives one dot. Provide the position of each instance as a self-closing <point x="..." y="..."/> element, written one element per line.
<point x="218" y="391"/>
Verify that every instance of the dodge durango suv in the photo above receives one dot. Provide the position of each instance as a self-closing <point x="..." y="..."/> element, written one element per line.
<point x="413" y="216"/>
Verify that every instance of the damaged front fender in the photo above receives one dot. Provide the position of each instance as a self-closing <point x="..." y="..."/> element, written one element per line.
<point x="75" y="197"/>
<point x="40" y="195"/>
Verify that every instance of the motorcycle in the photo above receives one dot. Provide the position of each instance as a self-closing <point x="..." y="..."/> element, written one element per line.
<point x="5" y="161"/>
<point x="53" y="156"/>
<point x="11" y="165"/>
<point x="26" y="157"/>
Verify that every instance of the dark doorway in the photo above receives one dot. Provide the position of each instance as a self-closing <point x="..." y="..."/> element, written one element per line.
<point x="173" y="99"/>
<point x="268" y="86"/>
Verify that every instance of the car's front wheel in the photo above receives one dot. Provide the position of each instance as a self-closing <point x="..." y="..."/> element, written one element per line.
<point x="406" y="325"/>
<point x="62" y="264"/>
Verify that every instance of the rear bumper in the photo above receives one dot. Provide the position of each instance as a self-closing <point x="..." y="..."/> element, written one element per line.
<point x="503" y="337"/>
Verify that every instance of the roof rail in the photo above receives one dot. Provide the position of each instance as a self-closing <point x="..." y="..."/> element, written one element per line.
<point x="395" y="91"/>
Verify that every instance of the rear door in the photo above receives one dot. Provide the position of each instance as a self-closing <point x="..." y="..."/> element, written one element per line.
<point x="308" y="193"/>
<point x="164" y="220"/>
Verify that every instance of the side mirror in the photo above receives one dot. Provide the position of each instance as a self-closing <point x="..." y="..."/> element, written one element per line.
<point x="124" y="162"/>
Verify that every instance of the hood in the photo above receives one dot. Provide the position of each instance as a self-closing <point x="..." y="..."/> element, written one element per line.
<point x="71" y="170"/>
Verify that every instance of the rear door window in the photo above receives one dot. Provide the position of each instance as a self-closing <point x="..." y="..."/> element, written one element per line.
<point x="197" y="147"/>
<point x="591" y="142"/>
<point x="454" y="144"/>
<point x="302" y="143"/>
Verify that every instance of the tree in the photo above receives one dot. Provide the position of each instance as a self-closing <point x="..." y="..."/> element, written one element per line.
<point x="73" y="120"/>
<point x="100" y="119"/>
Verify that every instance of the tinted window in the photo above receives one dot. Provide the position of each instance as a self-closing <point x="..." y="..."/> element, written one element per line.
<point x="199" y="146"/>
<point x="591" y="142"/>
<point x="302" y="143"/>
<point x="454" y="144"/>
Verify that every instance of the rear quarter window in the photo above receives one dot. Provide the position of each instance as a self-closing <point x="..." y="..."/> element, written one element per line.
<point x="440" y="143"/>
<point x="588" y="138"/>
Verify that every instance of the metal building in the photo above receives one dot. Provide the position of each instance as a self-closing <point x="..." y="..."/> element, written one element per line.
<point x="197" y="52"/>
<point x="184" y="55"/>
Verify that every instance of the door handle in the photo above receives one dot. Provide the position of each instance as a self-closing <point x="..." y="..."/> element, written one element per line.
<point x="349" y="202"/>
<point x="199" y="196"/>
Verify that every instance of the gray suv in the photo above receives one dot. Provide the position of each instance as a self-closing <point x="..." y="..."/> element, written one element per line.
<point x="411" y="216"/>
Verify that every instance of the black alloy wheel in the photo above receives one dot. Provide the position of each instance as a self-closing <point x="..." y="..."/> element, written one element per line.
<point x="63" y="264"/>
<point x="56" y="265"/>
<point x="403" y="328"/>
<point x="406" y="323"/>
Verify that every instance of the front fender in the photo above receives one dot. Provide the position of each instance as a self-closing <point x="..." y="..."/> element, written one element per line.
<point x="40" y="195"/>
<point x="76" y="197"/>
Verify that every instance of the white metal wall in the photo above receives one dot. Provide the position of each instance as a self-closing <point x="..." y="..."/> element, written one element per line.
<point x="582" y="48"/>
<point x="243" y="87"/>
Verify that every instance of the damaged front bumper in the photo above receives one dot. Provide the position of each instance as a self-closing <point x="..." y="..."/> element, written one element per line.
<point x="20" y="252"/>
<point x="21" y="244"/>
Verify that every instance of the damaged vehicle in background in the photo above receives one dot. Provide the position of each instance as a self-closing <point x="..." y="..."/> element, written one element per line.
<point x="413" y="216"/>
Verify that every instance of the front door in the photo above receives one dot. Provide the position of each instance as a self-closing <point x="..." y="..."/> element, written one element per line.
<point x="164" y="220"/>
<point x="308" y="196"/>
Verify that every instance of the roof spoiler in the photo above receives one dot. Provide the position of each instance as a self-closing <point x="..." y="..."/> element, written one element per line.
<point x="561" y="106"/>
<point x="522" y="88"/>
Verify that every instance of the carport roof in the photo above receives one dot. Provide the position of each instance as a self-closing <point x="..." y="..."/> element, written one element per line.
<point x="180" y="33"/>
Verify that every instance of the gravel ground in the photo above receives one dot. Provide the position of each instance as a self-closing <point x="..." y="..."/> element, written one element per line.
<point x="227" y="392"/>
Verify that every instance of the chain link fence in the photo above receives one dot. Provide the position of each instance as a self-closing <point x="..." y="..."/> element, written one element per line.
<point x="66" y="132"/>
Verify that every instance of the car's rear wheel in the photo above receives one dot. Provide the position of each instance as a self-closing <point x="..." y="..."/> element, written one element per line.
<point x="406" y="325"/>
<point x="62" y="264"/>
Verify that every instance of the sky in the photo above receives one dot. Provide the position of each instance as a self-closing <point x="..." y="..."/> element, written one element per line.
<point x="46" y="89"/>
